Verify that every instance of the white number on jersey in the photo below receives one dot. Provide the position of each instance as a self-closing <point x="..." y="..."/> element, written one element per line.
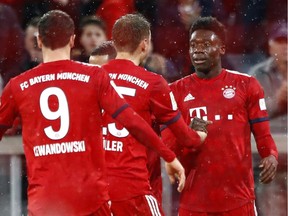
<point x="112" y="126"/>
<point x="62" y="112"/>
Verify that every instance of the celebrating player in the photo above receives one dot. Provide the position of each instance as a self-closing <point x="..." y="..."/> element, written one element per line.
<point x="60" y="103"/>
<point x="149" y="95"/>
<point x="220" y="179"/>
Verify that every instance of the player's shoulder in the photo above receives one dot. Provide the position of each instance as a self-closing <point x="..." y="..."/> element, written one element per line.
<point x="243" y="79"/>
<point x="237" y="75"/>
<point x="153" y="76"/>
<point x="183" y="81"/>
<point x="87" y="67"/>
<point x="24" y="75"/>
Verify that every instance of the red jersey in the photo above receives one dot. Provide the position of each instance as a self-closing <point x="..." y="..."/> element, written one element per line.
<point x="60" y="106"/>
<point x="220" y="173"/>
<point x="126" y="159"/>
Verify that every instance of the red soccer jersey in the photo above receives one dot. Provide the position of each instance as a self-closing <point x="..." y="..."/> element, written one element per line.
<point x="220" y="172"/>
<point x="60" y="105"/>
<point x="126" y="159"/>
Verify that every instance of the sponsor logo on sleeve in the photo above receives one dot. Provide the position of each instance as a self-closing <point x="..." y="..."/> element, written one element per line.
<point x="262" y="104"/>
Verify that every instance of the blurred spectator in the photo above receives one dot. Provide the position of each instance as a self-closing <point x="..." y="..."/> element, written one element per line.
<point x="159" y="64"/>
<point x="272" y="74"/>
<point x="34" y="54"/>
<point x="111" y="10"/>
<point x="11" y="44"/>
<point x="75" y="8"/>
<point x="103" y="53"/>
<point x="248" y="21"/>
<point x="171" y="38"/>
<point x="189" y="11"/>
<point x="92" y="34"/>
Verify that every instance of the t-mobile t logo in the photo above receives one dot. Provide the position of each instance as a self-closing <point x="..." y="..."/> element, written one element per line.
<point x="199" y="112"/>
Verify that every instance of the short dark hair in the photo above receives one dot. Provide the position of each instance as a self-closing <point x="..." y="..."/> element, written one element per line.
<point x="92" y="20"/>
<point x="55" y="29"/>
<point x="212" y="24"/>
<point x="106" y="48"/>
<point x="128" y="31"/>
<point x="33" y="22"/>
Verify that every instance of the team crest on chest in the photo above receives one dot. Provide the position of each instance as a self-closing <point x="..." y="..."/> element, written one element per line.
<point x="229" y="91"/>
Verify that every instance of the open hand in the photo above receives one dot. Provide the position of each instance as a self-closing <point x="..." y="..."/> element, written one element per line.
<point x="176" y="171"/>
<point x="198" y="124"/>
<point x="269" y="165"/>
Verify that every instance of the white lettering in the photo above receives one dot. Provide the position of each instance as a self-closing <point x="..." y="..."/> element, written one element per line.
<point x="133" y="80"/>
<point x="73" y="76"/>
<point x="24" y="85"/>
<point x="59" y="148"/>
<point x="109" y="145"/>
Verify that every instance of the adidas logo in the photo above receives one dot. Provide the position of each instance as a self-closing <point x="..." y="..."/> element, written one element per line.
<point x="189" y="97"/>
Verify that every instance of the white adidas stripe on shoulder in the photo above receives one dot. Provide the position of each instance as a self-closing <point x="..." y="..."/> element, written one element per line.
<point x="153" y="205"/>
<point x="238" y="73"/>
<point x="88" y="64"/>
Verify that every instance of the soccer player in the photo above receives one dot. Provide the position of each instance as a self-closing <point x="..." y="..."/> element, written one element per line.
<point x="149" y="95"/>
<point x="60" y="103"/>
<point x="220" y="180"/>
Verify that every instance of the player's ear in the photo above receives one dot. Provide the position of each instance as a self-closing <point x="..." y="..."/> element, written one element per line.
<point x="145" y="45"/>
<point x="222" y="49"/>
<point x="72" y="41"/>
<point x="39" y="42"/>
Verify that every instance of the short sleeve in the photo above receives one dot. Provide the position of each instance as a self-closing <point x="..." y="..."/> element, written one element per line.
<point x="256" y="104"/>
<point x="110" y="100"/>
<point x="8" y="109"/>
<point x="163" y="103"/>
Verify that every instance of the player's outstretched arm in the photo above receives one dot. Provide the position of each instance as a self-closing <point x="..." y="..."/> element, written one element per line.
<point x="164" y="106"/>
<point x="141" y="131"/>
<point x="185" y="136"/>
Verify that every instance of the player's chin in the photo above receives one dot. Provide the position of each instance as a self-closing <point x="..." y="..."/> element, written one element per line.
<point x="201" y="67"/>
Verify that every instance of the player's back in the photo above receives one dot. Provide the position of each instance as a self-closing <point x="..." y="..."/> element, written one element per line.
<point x="147" y="94"/>
<point x="59" y="104"/>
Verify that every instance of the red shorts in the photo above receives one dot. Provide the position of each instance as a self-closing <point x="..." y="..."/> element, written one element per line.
<point x="146" y="205"/>
<point x="104" y="210"/>
<point x="246" y="210"/>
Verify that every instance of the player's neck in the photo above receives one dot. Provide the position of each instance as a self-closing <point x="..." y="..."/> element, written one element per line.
<point x="213" y="72"/>
<point x="127" y="56"/>
<point x="56" y="55"/>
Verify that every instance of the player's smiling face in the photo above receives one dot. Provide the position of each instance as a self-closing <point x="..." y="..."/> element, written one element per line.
<point x="205" y="50"/>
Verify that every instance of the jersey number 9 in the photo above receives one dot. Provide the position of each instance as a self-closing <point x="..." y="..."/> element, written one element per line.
<point x="62" y="112"/>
